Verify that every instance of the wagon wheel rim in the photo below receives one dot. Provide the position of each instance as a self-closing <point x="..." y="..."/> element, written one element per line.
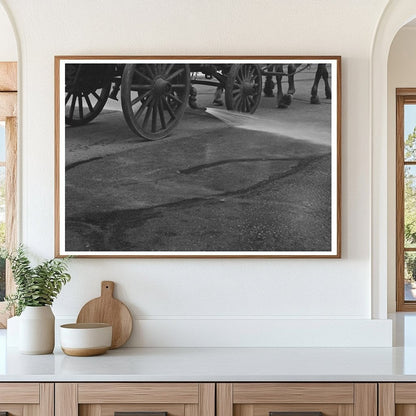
<point x="243" y="88"/>
<point x="154" y="97"/>
<point x="83" y="103"/>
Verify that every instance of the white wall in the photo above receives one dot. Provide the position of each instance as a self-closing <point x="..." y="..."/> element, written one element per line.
<point x="201" y="299"/>
<point x="401" y="74"/>
<point x="8" y="47"/>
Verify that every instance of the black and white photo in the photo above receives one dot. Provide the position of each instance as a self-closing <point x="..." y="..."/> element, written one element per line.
<point x="198" y="157"/>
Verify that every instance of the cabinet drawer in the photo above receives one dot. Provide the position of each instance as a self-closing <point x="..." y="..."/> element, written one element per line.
<point x="138" y="393"/>
<point x="21" y="399"/>
<point x="144" y="399"/>
<point x="297" y="399"/>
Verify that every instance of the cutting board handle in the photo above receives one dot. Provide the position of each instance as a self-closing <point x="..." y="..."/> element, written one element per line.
<point x="107" y="288"/>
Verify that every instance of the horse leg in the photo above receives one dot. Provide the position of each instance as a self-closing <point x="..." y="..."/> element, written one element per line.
<point x="218" y="97"/>
<point x="283" y="100"/>
<point x="279" y="70"/>
<point x="328" y="93"/>
<point x="269" y="84"/>
<point x="291" y="70"/>
<point x="192" y="101"/>
<point x="314" y="91"/>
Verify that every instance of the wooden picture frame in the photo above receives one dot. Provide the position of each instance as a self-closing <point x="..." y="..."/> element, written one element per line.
<point x="203" y="163"/>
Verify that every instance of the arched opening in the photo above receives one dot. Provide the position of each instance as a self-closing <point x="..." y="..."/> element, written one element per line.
<point x="396" y="16"/>
<point x="401" y="93"/>
<point x="8" y="44"/>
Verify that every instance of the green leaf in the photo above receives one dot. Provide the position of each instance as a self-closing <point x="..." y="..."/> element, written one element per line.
<point x="35" y="286"/>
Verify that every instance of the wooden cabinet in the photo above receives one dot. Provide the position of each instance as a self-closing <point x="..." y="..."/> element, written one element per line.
<point x="27" y="399"/>
<point x="153" y="399"/>
<point x="267" y="399"/>
<point x="397" y="399"/>
<point x="208" y="399"/>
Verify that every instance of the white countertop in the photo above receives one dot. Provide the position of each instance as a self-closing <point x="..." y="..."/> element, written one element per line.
<point x="215" y="364"/>
<point x="222" y="364"/>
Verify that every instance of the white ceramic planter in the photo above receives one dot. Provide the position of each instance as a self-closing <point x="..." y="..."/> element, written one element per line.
<point x="37" y="330"/>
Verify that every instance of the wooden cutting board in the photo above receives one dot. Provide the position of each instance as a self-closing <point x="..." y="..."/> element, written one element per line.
<point x="108" y="310"/>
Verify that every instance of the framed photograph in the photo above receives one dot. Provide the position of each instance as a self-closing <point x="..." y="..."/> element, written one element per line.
<point x="198" y="156"/>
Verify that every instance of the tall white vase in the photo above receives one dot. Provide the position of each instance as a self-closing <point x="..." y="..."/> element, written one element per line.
<point x="37" y="330"/>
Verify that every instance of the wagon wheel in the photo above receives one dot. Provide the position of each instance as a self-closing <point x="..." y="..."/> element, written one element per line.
<point x="154" y="97"/>
<point x="243" y="88"/>
<point x="87" y="90"/>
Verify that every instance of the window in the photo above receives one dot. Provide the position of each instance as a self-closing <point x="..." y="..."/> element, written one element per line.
<point x="8" y="165"/>
<point x="406" y="199"/>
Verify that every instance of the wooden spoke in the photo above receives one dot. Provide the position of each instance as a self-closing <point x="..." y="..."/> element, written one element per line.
<point x="148" y="113"/>
<point x="169" y="108"/>
<point x="175" y="98"/>
<point x="81" y="111"/>
<point x="137" y="87"/>
<point x="150" y="70"/>
<point x="139" y="112"/>
<point x="71" y="111"/>
<point x="154" y="116"/>
<point x="68" y="96"/>
<point x="177" y="86"/>
<point x="175" y="74"/>
<point x="88" y="101"/>
<point x="168" y="69"/>
<point x="140" y="98"/>
<point x="96" y="95"/>
<point x="243" y="71"/>
<point x="238" y="102"/>
<point x="140" y="74"/>
<point x="161" y="115"/>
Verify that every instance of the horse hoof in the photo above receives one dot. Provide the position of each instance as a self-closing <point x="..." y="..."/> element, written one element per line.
<point x="285" y="101"/>
<point x="218" y="103"/>
<point x="315" y="100"/>
<point x="328" y="95"/>
<point x="291" y="91"/>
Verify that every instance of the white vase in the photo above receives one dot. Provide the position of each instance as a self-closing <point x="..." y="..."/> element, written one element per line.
<point x="37" y="330"/>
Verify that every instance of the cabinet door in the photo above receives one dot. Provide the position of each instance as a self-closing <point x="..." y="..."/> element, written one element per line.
<point x="26" y="399"/>
<point x="397" y="399"/>
<point x="297" y="399"/>
<point x="141" y="399"/>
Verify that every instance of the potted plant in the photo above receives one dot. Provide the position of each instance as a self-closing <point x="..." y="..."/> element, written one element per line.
<point x="36" y="289"/>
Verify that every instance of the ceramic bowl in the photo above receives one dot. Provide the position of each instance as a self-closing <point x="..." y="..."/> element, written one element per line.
<point x="83" y="340"/>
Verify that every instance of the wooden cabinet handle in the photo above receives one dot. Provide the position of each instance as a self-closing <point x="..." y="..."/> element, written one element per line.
<point x="295" y="413"/>
<point x="138" y="414"/>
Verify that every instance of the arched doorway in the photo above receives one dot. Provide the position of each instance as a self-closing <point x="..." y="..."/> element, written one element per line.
<point x="396" y="15"/>
<point x="8" y="45"/>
